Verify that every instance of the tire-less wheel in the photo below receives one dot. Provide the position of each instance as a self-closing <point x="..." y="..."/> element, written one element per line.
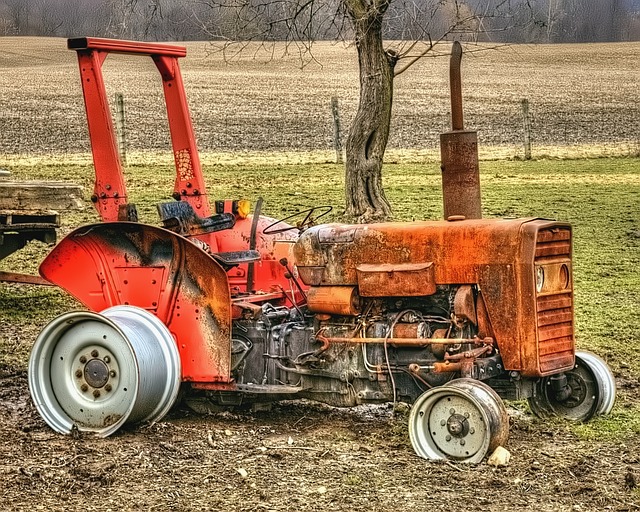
<point x="96" y="372"/>
<point x="464" y="420"/>
<point x="591" y="391"/>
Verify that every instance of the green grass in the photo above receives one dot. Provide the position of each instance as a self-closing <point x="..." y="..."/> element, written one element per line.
<point x="600" y="197"/>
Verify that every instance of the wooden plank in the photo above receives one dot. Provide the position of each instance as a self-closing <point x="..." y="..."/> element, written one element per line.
<point x="15" y="277"/>
<point x="40" y="195"/>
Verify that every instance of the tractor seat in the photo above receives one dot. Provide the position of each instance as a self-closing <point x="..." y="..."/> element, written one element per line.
<point x="230" y="259"/>
<point x="179" y="217"/>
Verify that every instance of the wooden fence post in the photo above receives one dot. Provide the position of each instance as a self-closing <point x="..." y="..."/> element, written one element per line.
<point x="121" y="128"/>
<point x="337" y="142"/>
<point x="527" y="129"/>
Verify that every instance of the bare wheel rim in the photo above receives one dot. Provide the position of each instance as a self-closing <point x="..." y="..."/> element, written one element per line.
<point x="593" y="391"/>
<point x="96" y="372"/>
<point x="463" y="421"/>
<point x="604" y="378"/>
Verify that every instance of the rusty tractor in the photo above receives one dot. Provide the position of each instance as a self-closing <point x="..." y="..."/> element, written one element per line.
<point x="228" y="307"/>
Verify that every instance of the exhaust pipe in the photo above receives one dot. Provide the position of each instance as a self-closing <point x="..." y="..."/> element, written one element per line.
<point x="459" y="155"/>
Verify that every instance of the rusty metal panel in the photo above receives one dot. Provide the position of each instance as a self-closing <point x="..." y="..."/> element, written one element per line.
<point x="554" y="300"/>
<point x="457" y="249"/>
<point x="499" y="256"/>
<point x="460" y="175"/>
<point x="334" y="300"/>
<point x="396" y="279"/>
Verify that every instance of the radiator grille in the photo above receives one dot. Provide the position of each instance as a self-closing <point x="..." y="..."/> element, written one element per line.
<point x="554" y="311"/>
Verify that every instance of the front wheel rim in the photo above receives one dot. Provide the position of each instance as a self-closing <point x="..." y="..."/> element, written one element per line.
<point x="462" y="421"/>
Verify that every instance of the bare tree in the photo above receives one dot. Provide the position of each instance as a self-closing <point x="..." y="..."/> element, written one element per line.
<point x="19" y="13"/>
<point x="367" y="22"/>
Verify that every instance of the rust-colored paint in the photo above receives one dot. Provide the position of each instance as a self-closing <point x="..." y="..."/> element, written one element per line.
<point x="396" y="279"/>
<point x="16" y="277"/>
<point x="455" y="84"/>
<point x="460" y="175"/>
<point x="459" y="154"/>
<point x="335" y="300"/>
<point x="149" y="267"/>
<point x="498" y="256"/>
<point x="464" y="305"/>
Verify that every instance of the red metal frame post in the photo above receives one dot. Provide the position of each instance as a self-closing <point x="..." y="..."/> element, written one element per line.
<point x="110" y="190"/>
<point x="189" y="183"/>
<point x="110" y="187"/>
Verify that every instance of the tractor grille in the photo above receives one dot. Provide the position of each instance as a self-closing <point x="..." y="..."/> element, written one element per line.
<point x="555" y="310"/>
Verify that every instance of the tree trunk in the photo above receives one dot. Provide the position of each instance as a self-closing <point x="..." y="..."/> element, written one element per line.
<point x="369" y="133"/>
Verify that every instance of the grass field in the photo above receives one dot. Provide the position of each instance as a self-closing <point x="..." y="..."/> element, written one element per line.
<point x="585" y="102"/>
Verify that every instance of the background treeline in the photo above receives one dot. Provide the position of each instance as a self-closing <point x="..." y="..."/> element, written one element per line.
<point x="528" y="21"/>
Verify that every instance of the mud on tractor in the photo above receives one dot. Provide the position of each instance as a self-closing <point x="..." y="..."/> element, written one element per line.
<point x="232" y="308"/>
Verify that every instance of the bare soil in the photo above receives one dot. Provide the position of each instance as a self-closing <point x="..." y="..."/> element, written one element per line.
<point x="578" y="94"/>
<point x="298" y="456"/>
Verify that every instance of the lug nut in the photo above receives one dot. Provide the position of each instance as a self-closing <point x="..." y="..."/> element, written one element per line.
<point x="94" y="353"/>
<point x="78" y="373"/>
<point x="112" y="373"/>
<point x="472" y="430"/>
<point x="462" y="442"/>
<point x="83" y="359"/>
<point x="466" y="414"/>
<point x="443" y="423"/>
<point x="108" y="388"/>
<point x="84" y="388"/>
<point x="452" y="411"/>
<point x="107" y="359"/>
<point x="96" y="393"/>
<point x="448" y="438"/>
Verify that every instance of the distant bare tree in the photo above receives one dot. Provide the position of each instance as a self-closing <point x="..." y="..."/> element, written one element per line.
<point x="131" y="19"/>
<point x="47" y="17"/>
<point x="7" y="28"/>
<point x="18" y="15"/>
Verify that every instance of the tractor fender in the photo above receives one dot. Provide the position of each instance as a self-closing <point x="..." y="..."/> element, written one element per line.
<point x="127" y="263"/>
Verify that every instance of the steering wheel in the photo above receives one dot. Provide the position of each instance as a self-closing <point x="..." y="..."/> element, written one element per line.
<point x="308" y="220"/>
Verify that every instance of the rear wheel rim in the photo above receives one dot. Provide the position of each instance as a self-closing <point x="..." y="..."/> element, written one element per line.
<point x="96" y="372"/>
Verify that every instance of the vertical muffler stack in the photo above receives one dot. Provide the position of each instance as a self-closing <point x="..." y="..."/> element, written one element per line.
<point x="459" y="155"/>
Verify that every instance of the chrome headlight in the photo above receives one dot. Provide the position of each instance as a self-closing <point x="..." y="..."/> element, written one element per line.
<point x="539" y="279"/>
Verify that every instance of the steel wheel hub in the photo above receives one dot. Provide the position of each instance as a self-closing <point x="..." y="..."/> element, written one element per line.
<point x="463" y="420"/>
<point x="96" y="373"/>
<point x="593" y="391"/>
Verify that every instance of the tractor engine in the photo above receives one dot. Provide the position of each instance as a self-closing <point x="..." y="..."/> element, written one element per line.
<point x="330" y="357"/>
